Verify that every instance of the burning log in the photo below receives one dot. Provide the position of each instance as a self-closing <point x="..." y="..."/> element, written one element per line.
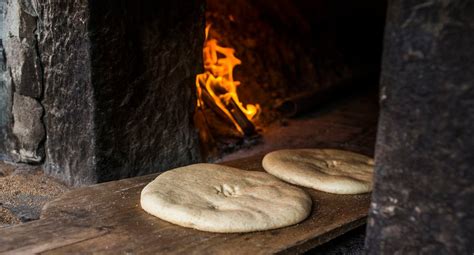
<point x="233" y="114"/>
<point x="245" y="124"/>
<point x="218" y="90"/>
<point x="209" y="102"/>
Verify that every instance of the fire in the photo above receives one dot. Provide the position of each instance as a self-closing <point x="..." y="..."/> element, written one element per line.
<point x="217" y="81"/>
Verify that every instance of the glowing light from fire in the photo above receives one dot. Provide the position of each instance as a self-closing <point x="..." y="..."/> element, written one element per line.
<point x="218" y="80"/>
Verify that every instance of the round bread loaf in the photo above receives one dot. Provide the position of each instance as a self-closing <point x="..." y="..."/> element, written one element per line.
<point x="223" y="199"/>
<point x="328" y="170"/>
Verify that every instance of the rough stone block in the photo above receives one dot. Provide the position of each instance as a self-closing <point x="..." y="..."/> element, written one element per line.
<point x="5" y="88"/>
<point x="119" y="86"/>
<point x="423" y="194"/>
<point x="20" y="49"/>
<point x="28" y="129"/>
<point x="5" y="108"/>
<point x="23" y="130"/>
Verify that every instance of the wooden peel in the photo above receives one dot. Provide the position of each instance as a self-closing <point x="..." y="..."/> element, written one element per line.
<point x="107" y="218"/>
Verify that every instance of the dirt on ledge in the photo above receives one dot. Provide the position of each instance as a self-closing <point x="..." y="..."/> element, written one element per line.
<point x="23" y="192"/>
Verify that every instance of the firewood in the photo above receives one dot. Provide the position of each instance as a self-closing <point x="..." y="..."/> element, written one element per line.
<point x="236" y="118"/>
<point x="209" y="102"/>
<point x="245" y="124"/>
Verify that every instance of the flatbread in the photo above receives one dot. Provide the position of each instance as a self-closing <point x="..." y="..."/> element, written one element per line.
<point x="328" y="170"/>
<point x="223" y="199"/>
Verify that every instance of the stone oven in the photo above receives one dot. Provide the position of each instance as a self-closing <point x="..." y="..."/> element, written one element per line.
<point x="98" y="91"/>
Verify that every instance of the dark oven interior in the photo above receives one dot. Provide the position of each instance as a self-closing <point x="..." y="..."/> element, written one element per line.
<point x="293" y="58"/>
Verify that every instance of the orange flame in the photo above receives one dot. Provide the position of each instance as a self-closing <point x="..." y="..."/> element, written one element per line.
<point x="218" y="80"/>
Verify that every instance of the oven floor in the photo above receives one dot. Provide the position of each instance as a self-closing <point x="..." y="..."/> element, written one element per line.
<point x="349" y="123"/>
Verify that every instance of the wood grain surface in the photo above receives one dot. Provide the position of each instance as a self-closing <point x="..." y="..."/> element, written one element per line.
<point x="107" y="218"/>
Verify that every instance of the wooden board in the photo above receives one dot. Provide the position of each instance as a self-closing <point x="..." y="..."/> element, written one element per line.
<point x="107" y="218"/>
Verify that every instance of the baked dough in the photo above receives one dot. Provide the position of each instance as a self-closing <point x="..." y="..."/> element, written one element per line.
<point x="223" y="199"/>
<point x="328" y="170"/>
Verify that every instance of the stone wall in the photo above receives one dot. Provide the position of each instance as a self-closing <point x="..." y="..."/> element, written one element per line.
<point x="22" y="114"/>
<point x="423" y="194"/>
<point x="119" y="87"/>
<point x="150" y="95"/>
<point x="68" y="92"/>
<point x="106" y="88"/>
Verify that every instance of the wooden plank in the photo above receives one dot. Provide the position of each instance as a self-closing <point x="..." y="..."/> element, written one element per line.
<point x="107" y="218"/>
